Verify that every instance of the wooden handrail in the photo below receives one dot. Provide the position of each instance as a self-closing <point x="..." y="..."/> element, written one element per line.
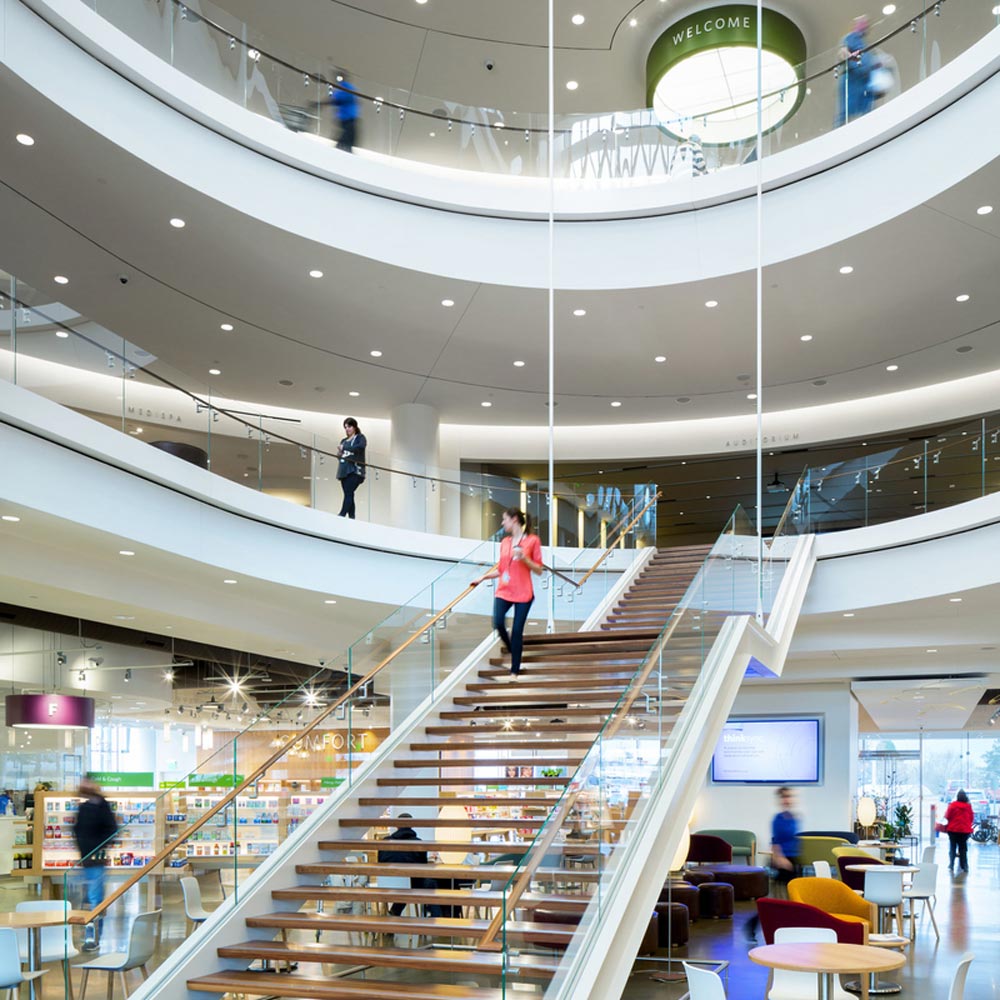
<point x="276" y="756"/>
<point x="628" y="527"/>
<point x="230" y="796"/>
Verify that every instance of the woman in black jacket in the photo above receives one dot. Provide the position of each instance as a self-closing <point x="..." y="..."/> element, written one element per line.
<point x="351" y="468"/>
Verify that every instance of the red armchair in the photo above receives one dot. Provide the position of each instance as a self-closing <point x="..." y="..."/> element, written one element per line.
<point x="706" y="849"/>
<point x="775" y="913"/>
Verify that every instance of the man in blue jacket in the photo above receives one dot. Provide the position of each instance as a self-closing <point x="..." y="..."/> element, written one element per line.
<point x="344" y="99"/>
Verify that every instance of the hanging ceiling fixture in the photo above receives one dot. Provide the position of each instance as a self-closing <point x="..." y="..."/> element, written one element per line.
<point x="49" y="711"/>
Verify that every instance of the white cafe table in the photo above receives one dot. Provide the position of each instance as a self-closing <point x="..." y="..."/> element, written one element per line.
<point x="826" y="960"/>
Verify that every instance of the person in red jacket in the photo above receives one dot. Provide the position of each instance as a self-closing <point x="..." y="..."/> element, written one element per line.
<point x="520" y="557"/>
<point x="958" y="819"/>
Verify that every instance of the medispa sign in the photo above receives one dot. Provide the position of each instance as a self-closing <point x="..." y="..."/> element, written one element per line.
<point x="49" y="711"/>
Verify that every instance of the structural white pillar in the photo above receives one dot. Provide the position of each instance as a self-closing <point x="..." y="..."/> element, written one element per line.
<point x="415" y="502"/>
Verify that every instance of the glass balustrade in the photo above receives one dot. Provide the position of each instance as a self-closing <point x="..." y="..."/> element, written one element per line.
<point x="596" y="816"/>
<point x="268" y="77"/>
<point x="255" y="786"/>
<point x="50" y="349"/>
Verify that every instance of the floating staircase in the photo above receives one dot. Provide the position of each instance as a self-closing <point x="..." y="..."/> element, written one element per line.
<point x="341" y="940"/>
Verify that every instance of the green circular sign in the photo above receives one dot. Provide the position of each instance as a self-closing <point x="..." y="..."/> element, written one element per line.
<point x="701" y="73"/>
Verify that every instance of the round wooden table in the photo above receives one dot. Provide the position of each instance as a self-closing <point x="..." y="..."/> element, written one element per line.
<point x="33" y="921"/>
<point x="826" y="961"/>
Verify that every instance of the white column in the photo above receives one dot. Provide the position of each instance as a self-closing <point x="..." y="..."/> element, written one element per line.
<point x="415" y="503"/>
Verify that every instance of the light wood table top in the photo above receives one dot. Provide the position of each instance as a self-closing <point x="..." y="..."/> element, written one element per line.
<point x="832" y="959"/>
<point x="876" y="867"/>
<point x="41" y="918"/>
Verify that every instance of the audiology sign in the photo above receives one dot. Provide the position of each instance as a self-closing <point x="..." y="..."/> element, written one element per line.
<point x="727" y="26"/>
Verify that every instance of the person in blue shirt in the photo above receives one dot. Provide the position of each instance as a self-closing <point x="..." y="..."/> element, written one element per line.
<point x="784" y="849"/>
<point x="346" y="109"/>
<point x="854" y="93"/>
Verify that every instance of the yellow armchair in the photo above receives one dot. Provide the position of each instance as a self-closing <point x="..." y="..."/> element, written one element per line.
<point x="834" y="898"/>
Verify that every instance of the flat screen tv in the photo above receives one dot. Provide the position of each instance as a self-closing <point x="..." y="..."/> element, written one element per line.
<point x="768" y="751"/>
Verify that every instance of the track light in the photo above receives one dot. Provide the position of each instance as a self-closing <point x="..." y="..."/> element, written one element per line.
<point x="128" y="676"/>
<point x="82" y="676"/>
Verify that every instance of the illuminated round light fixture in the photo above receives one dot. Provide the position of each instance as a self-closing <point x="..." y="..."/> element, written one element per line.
<point x="315" y="273"/>
<point x="178" y="223"/>
<point x="447" y="303"/>
<point x="701" y="73"/>
<point x="984" y="210"/>
<point x="24" y="139"/>
<point x="847" y="269"/>
<point x="571" y="85"/>
<point x="962" y="298"/>
<point x="660" y="359"/>
<point x="226" y="326"/>
<point x="579" y="312"/>
<point x="61" y="279"/>
<point x="711" y="304"/>
<point x="806" y="337"/>
<point x="518" y="364"/>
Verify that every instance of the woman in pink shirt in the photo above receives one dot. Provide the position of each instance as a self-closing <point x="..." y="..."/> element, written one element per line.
<point x="520" y="556"/>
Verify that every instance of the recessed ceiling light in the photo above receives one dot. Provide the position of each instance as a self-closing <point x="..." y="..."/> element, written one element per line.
<point x="571" y="85"/>
<point x="847" y="269"/>
<point x="24" y="139"/>
<point x="984" y="210"/>
<point x="432" y="134"/>
<point x="375" y="354"/>
<point x="518" y="364"/>
<point x="751" y="395"/>
<point x="315" y="274"/>
<point x="178" y="223"/>
<point x="633" y="22"/>
<point x="889" y="8"/>
<point x="226" y="326"/>
<point x="892" y="368"/>
<point x="421" y="2"/>
<point x="848" y="614"/>
<point x="579" y="312"/>
<point x="354" y="393"/>
<point x="616" y="402"/>
<point x="447" y="303"/>
<point x="61" y="279"/>
<point x="683" y="399"/>
<point x="964" y="349"/>
<point x="214" y="371"/>
<point x="485" y="402"/>
<point x="125" y="552"/>
<point x="124" y="618"/>
<point x="931" y="650"/>
<point x="711" y="304"/>
<point x="955" y="600"/>
<point x="659" y="359"/>
<point x="329" y="600"/>
<point x="578" y="19"/>
<point x="13" y="518"/>
<point x="806" y="337"/>
<point x="62" y="334"/>
<point x="962" y="298"/>
<point x="229" y="581"/>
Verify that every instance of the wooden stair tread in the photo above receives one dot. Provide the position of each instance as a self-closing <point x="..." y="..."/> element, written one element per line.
<point x="499" y="727"/>
<point x="466" y="803"/>
<point x="454" y="781"/>
<point x="571" y="638"/>
<point x="492" y="823"/>
<point x="516" y="697"/>
<point x="527" y="742"/>
<point x="310" y="988"/>
<point x="433" y="959"/>
<point x="454" y="846"/>
<point x="381" y="894"/>
<point x="437" y="762"/>
<point x="392" y="869"/>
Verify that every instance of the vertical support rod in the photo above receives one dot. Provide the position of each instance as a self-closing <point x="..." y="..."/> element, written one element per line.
<point x="760" y="313"/>
<point x="553" y="512"/>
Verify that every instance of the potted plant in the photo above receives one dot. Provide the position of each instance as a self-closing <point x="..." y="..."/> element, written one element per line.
<point x="903" y="820"/>
<point x="551" y="772"/>
<point x="889" y="832"/>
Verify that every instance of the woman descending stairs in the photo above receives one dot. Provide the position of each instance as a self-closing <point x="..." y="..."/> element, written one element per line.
<point x="499" y="757"/>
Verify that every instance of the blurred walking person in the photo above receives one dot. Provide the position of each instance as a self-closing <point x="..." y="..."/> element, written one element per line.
<point x="854" y="94"/>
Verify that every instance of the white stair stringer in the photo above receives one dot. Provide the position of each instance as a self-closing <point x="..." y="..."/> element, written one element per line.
<point x="598" y="961"/>
<point x="198" y="956"/>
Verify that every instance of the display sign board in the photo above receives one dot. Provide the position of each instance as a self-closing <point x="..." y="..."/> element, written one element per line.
<point x="122" y="779"/>
<point x="331" y="782"/>
<point x="220" y="780"/>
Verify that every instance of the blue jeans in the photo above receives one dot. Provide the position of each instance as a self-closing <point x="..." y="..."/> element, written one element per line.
<point x="515" y="641"/>
<point x="93" y="895"/>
